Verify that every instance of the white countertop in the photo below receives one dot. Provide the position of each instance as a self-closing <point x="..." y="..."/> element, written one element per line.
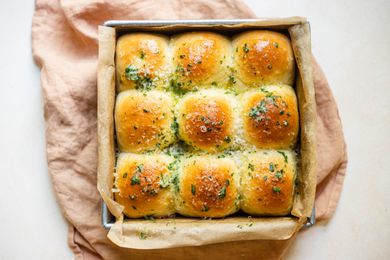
<point x="351" y="40"/>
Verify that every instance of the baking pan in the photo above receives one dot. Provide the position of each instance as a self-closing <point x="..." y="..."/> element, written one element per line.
<point x="223" y="26"/>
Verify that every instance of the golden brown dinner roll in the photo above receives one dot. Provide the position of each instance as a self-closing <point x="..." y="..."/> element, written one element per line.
<point x="142" y="61"/>
<point x="267" y="186"/>
<point x="270" y="117"/>
<point x="201" y="59"/>
<point x="142" y="183"/>
<point x="143" y="120"/>
<point x="206" y="119"/>
<point x="207" y="187"/>
<point x="263" y="58"/>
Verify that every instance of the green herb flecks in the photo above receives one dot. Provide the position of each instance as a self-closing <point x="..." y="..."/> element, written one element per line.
<point x="193" y="189"/>
<point x="272" y="167"/>
<point x="175" y="126"/>
<point x="284" y="156"/>
<point x="279" y="174"/>
<point x="164" y="181"/>
<point x="143" y="81"/>
<point x="258" y="110"/>
<point x="175" y="182"/>
<point x="222" y="193"/>
<point x="276" y="189"/>
<point x="205" y="208"/>
<point x="232" y="80"/>
<point x="143" y="235"/>
<point x="176" y="87"/>
<point x="245" y="48"/>
<point x="135" y="179"/>
<point x="172" y="166"/>
<point x="139" y="168"/>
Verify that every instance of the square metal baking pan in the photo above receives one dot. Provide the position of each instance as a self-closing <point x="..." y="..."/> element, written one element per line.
<point x="219" y="25"/>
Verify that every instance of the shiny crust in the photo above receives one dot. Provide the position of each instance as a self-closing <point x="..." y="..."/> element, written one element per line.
<point x="143" y="120"/>
<point x="142" y="183"/>
<point x="201" y="59"/>
<point x="268" y="183"/>
<point x="207" y="187"/>
<point x="148" y="56"/>
<point x="263" y="58"/>
<point x="209" y="120"/>
<point x="206" y="119"/>
<point x="270" y="117"/>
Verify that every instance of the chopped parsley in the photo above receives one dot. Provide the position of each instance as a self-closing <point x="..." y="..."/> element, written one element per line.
<point x="279" y="174"/>
<point x="176" y="87"/>
<point x="164" y="181"/>
<point x="276" y="189"/>
<point x="175" y="126"/>
<point x="175" y="182"/>
<point x="214" y="83"/>
<point x="227" y="183"/>
<point x="251" y="167"/>
<point x="193" y="189"/>
<point x="260" y="108"/>
<point x="143" y="235"/>
<point x="146" y="110"/>
<point x="135" y="179"/>
<point x="272" y="167"/>
<point x="125" y="175"/>
<point x="276" y="45"/>
<point x="143" y="82"/>
<point x="205" y="208"/>
<point x="139" y="168"/>
<point x="227" y="139"/>
<point x="232" y="80"/>
<point x="171" y="166"/>
<point x="180" y="69"/>
<point x="284" y="156"/>
<point x="131" y="73"/>
<point x="222" y="193"/>
<point x="245" y="48"/>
